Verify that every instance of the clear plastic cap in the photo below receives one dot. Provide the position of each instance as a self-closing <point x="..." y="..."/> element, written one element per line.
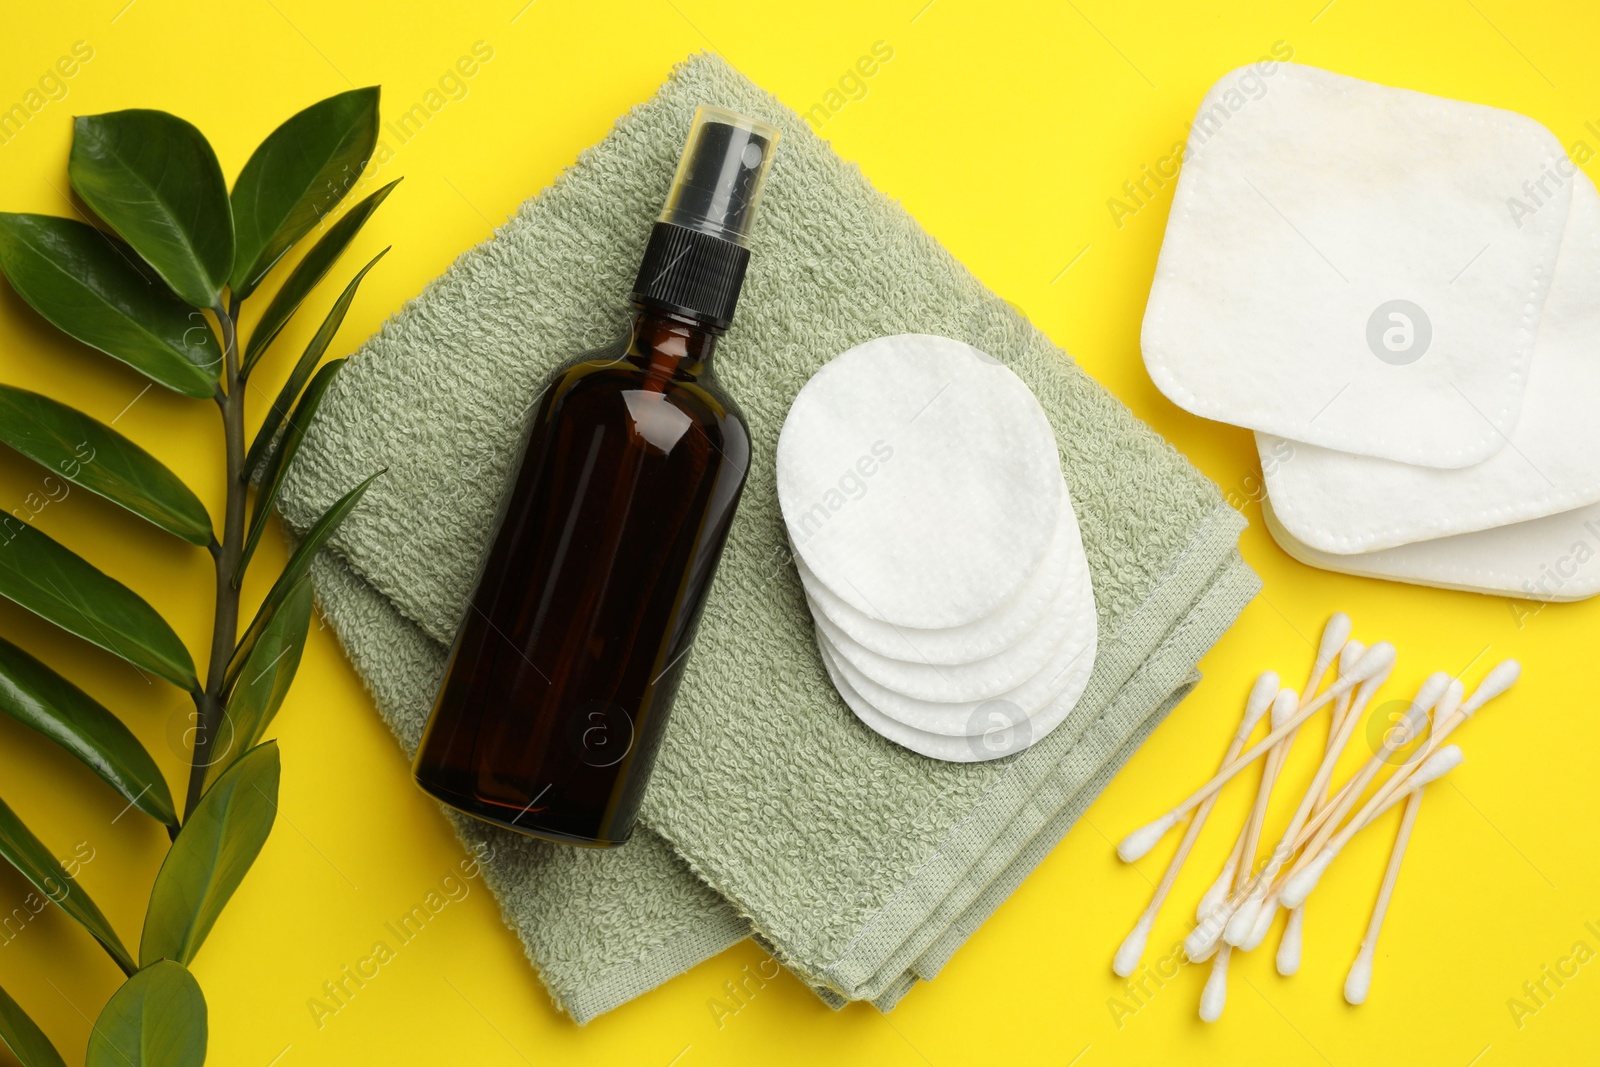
<point x="720" y="175"/>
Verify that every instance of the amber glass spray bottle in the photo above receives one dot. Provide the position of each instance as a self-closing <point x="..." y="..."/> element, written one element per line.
<point x="565" y="667"/>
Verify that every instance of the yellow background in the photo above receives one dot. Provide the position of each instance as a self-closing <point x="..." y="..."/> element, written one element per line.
<point x="1003" y="130"/>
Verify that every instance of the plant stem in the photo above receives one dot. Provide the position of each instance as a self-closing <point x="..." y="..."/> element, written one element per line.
<point x="209" y="705"/>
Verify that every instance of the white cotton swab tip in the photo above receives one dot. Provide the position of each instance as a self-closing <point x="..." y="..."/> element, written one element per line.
<point x="1284" y="705"/>
<point x="1215" y="996"/>
<point x="1289" y="947"/>
<point x="1334" y="636"/>
<point x="1432" y="690"/>
<point x="1261" y="697"/>
<point x="1449" y="702"/>
<point x="1359" y="980"/>
<point x="1216" y="894"/>
<point x="1142" y="840"/>
<point x="1127" y="960"/>
<point x="1203" y="940"/>
<point x="1435" y="767"/>
<point x="1348" y="656"/>
<point x="1375" y="660"/>
<point x="1497" y="681"/>
<point x="1299" y="887"/>
<point x="1242" y="924"/>
<point x="1258" y="933"/>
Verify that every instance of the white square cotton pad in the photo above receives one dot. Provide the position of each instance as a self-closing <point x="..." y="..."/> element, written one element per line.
<point x="1555" y="558"/>
<point x="1342" y="503"/>
<point x="1356" y="266"/>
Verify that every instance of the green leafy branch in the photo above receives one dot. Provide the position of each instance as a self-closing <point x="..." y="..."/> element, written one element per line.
<point x="160" y="288"/>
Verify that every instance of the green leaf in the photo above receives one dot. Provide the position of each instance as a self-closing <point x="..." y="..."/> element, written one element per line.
<point x="23" y="1037"/>
<point x="154" y="178"/>
<point x="296" y="177"/>
<point x="38" y="697"/>
<point x="298" y="567"/>
<point x="278" y="464"/>
<point x="211" y="856"/>
<point x="93" y="286"/>
<point x="61" y="586"/>
<point x="29" y="856"/>
<point x="89" y="453"/>
<point x="303" y="368"/>
<point x="308" y="272"/>
<point x="265" y="678"/>
<point x="157" y="1019"/>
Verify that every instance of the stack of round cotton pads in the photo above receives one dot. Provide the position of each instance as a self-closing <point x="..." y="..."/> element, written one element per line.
<point x="922" y="491"/>
<point x="1396" y="291"/>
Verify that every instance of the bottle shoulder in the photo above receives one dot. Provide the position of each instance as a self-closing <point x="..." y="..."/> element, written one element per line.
<point x="603" y="388"/>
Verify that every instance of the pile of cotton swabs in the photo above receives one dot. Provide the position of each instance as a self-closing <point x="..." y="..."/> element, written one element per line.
<point x="1238" y="909"/>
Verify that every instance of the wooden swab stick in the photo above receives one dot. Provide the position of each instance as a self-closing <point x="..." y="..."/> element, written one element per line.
<point x="1288" y="958"/>
<point x="1215" y="995"/>
<point x="1359" y="980"/>
<point x="1218" y="893"/>
<point x="1127" y="958"/>
<point x="1142" y="840"/>
<point x="1347" y="713"/>
<point x="1219" y="902"/>
<point x="1220" y="888"/>
<point x="1299" y="885"/>
<point x="1497" y="681"/>
<point x="1203" y="938"/>
<point x="1288" y="702"/>
<point x="1410" y="727"/>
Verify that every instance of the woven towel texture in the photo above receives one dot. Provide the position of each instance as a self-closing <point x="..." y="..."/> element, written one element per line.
<point x="862" y="865"/>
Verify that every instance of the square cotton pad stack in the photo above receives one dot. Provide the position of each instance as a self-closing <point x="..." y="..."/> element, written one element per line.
<point x="1397" y="292"/>
<point x="922" y="493"/>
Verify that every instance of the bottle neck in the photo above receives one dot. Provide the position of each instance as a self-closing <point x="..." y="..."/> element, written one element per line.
<point x="670" y="344"/>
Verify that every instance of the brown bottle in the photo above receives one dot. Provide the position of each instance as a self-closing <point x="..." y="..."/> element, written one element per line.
<point x="562" y="676"/>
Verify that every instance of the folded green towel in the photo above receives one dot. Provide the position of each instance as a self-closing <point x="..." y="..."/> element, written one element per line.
<point x="861" y="865"/>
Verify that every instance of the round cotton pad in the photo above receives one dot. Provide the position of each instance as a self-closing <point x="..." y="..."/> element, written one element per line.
<point x="995" y="729"/>
<point x="1072" y="658"/>
<point x="993" y="675"/>
<point x="919" y="480"/>
<point x="976" y="640"/>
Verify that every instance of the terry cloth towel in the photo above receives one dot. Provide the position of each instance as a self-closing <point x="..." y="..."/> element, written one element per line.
<point x="772" y="811"/>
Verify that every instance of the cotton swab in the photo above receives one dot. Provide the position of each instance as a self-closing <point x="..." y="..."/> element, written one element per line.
<point x="1325" y="824"/>
<point x="1142" y="840"/>
<point x="1282" y="710"/>
<point x="1262" y="906"/>
<point x="1300" y="884"/>
<point x="1219" y="889"/>
<point x="1288" y="959"/>
<point x="1359" y="980"/>
<point x="1247" y="920"/>
<point x="1203" y="938"/>
<point x="1289" y="946"/>
<point x="1127" y="958"/>
<point x="1335" y="636"/>
<point x="1322" y="827"/>
<point x="1215" y="995"/>
<point x="1497" y="681"/>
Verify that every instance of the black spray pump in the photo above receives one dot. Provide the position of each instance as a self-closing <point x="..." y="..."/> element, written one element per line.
<point x="698" y="251"/>
<point x="568" y="658"/>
